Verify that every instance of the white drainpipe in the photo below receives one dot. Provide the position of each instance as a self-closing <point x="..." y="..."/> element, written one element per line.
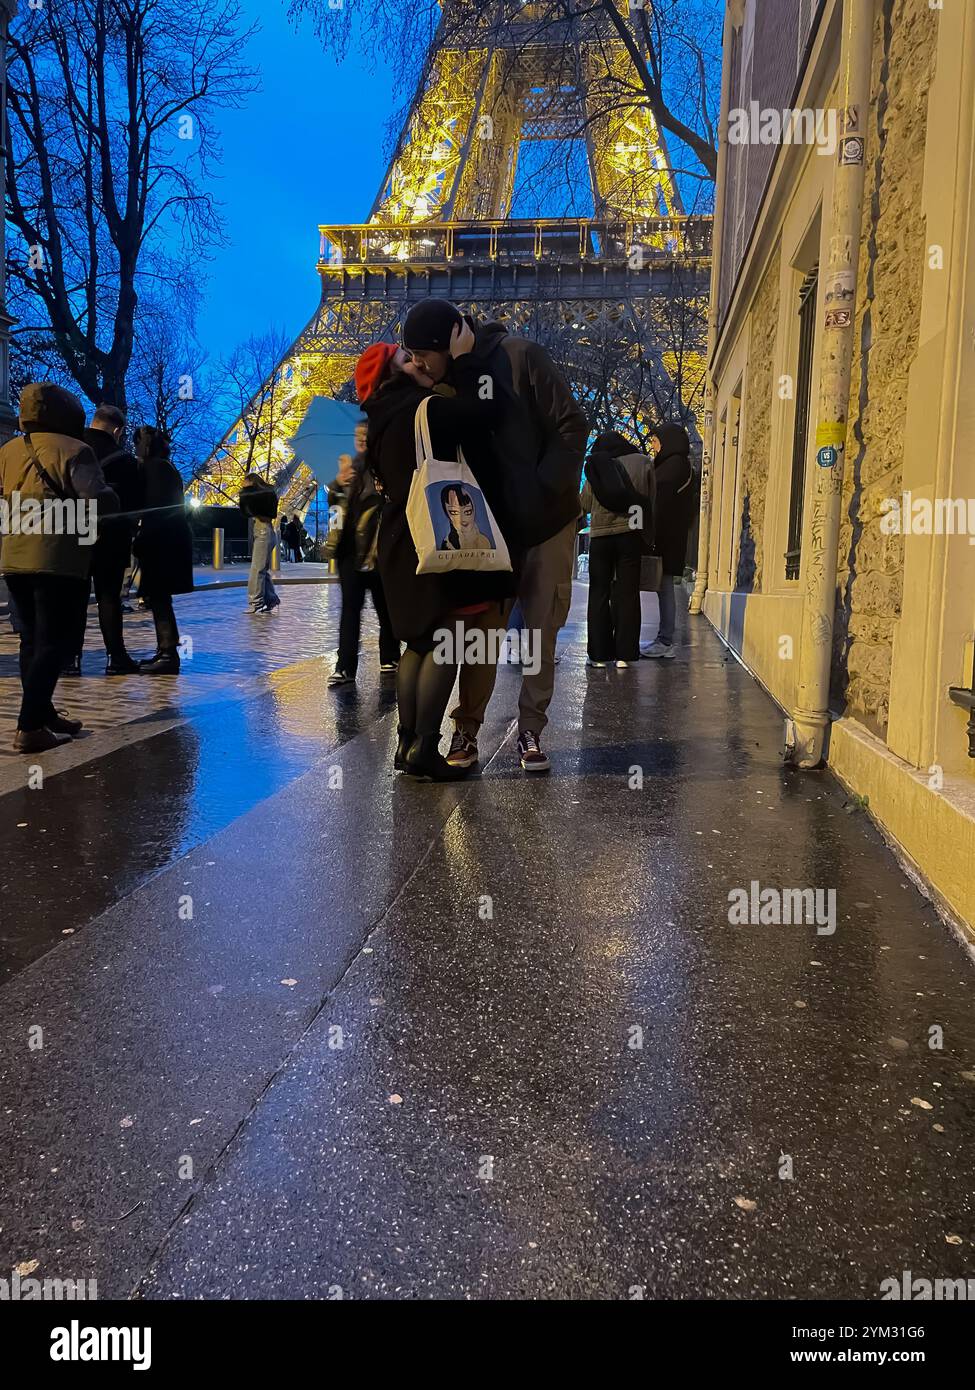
<point x="806" y="731"/>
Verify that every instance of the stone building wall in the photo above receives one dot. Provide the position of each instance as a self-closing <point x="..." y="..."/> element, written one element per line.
<point x="757" y="432"/>
<point x="891" y="270"/>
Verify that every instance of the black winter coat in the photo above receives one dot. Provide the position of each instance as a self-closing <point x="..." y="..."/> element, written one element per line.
<point x="676" y="497"/>
<point x="122" y="473"/>
<point x="418" y="603"/>
<point x="164" y="545"/>
<point x="361" y="507"/>
<point x="540" y="435"/>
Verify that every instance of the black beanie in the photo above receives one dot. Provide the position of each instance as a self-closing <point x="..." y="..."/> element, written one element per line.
<point x="429" y="325"/>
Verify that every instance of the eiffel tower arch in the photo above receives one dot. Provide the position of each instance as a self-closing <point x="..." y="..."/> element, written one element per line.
<point x="601" y="290"/>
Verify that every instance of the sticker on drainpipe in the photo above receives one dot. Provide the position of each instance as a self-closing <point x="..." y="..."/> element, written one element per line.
<point x="830" y="436"/>
<point x="851" y="150"/>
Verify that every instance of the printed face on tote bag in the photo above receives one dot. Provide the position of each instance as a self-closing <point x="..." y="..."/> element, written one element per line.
<point x="449" y="519"/>
<point x="463" y="521"/>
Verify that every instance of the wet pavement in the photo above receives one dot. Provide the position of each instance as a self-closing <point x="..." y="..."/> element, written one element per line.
<point x="310" y="1030"/>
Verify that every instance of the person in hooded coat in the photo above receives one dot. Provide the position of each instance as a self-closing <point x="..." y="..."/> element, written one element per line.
<point x="163" y="547"/>
<point x="390" y="389"/>
<point x="47" y="569"/>
<point x="615" y="551"/>
<point x="676" y="503"/>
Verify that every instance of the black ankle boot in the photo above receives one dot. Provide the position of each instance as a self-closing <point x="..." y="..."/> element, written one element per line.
<point x="406" y="739"/>
<point x="425" y="762"/>
<point x="164" y="663"/>
<point x="121" y="664"/>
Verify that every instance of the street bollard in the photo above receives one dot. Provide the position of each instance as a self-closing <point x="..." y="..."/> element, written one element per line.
<point x="218" y="548"/>
<point x="276" y="560"/>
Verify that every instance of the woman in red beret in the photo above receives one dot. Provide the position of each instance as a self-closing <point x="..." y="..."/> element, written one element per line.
<point x="390" y="388"/>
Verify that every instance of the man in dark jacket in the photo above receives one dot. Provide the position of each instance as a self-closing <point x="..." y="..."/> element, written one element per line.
<point x="355" y="501"/>
<point x="259" y="503"/>
<point x="48" y="469"/>
<point x="113" y="550"/>
<point x="163" y="547"/>
<point x="676" y="504"/>
<point x="539" y="441"/>
<point x="293" y="533"/>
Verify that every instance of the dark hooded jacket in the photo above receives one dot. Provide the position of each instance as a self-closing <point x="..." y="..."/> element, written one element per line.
<point x="539" y="436"/>
<point x="122" y="474"/>
<point x="361" y="506"/>
<point x="164" y="545"/>
<point x="54" y="421"/>
<point x="639" y="470"/>
<point x="419" y="602"/>
<point x="676" y="497"/>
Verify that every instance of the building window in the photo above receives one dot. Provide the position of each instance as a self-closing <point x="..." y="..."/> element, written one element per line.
<point x="800" y="436"/>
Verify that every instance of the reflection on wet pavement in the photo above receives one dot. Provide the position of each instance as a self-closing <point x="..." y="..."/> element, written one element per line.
<point x="493" y="1040"/>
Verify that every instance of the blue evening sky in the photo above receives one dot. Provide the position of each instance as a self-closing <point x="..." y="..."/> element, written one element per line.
<point x="308" y="147"/>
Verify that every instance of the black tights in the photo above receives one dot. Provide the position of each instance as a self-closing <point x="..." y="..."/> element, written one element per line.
<point x="423" y="688"/>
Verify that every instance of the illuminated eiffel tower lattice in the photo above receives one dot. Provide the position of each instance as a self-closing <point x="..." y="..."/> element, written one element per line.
<point x="618" y="292"/>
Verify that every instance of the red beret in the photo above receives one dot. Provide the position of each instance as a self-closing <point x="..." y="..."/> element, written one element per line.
<point x="371" y="368"/>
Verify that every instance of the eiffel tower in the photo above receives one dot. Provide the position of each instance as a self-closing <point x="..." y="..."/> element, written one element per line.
<point x="622" y="289"/>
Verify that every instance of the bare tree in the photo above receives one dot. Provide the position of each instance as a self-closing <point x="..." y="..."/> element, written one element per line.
<point x="110" y="142"/>
<point x="255" y="388"/>
<point x="168" y="384"/>
<point x="631" y="365"/>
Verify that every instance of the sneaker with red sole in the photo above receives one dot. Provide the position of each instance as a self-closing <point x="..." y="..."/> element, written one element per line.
<point x="463" y="750"/>
<point x="530" y="753"/>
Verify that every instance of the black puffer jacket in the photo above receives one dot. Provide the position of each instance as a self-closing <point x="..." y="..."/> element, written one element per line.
<point x="676" y="497"/>
<point x="539" y="435"/>
<point x="419" y="602"/>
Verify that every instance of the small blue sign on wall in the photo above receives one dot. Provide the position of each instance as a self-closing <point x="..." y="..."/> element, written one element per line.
<point x="826" y="457"/>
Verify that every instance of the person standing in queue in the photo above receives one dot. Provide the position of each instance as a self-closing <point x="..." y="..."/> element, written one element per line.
<point x="47" y="570"/>
<point x="113" y="549"/>
<point x="354" y="495"/>
<point x="163" y="547"/>
<point x="674" y="516"/>
<point x="615" y="553"/>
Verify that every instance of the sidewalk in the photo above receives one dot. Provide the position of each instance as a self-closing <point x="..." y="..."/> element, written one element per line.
<point x="491" y="1040"/>
<point x="235" y="576"/>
